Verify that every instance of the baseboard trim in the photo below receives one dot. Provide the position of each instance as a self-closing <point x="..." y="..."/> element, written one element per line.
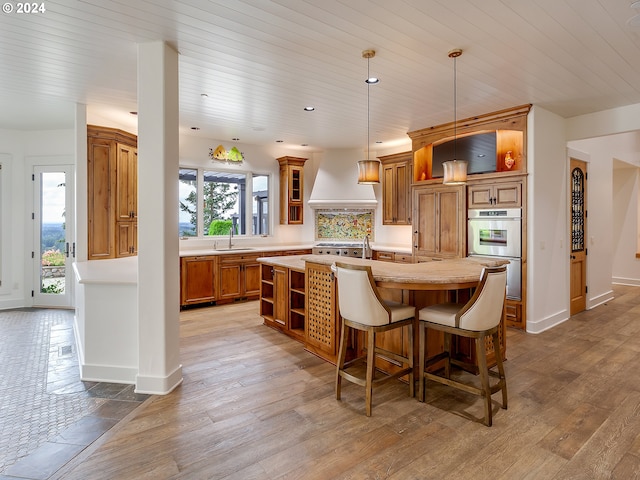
<point x="159" y="385"/>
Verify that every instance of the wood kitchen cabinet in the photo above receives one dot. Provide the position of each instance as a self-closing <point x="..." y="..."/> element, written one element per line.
<point x="239" y="277"/>
<point x="439" y="221"/>
<point x="396" y="188"/>
<point x="112" y="196"/>
<point x="198" y="279"/>
<point x="396" y="257"/>
<point x="233" y="277"/>
<point x="273" y="296"/>
<point x="291" y="190"/>
<point x="282" y="299"/>
<point x="506" y="192"/>
<point x="494" y="194"/>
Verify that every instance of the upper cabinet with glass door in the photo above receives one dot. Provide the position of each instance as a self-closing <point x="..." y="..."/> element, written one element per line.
<point x="291" y="190"/>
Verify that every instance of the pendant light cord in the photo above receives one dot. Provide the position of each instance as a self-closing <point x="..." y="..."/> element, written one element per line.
<point x="455" y="54"/>
<point x="368" y="109"/>
<point x="455" y="108"/>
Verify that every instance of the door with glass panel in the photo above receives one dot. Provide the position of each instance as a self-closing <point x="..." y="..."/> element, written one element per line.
<point x="54" y="235"/>
<point x="578" y="255"/>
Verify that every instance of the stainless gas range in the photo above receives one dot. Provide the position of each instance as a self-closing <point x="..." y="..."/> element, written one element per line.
<point x="343" y="249"/>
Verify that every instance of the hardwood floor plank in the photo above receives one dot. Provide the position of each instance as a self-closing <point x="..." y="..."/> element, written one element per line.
<point x="608" y="445"/>
<point x="574" y="431"/>
<point x="254" y="405"/>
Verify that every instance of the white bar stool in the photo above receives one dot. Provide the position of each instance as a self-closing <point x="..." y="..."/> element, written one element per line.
<point x="362" y="308"/>
<point x="479" y="318"/>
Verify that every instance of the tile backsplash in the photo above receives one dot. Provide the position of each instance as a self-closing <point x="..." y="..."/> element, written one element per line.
<point x="352" y="224"/>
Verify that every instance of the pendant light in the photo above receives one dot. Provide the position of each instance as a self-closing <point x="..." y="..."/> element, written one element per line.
<point x="369" y="170"/>
<point x="455" y="171"/>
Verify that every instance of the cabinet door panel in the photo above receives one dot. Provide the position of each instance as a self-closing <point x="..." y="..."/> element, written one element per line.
<point x="449" y="234"/>
<point x="126" y="183"/>
<point x="509" y="194"/>
<point x="197" y="280"/>
<point x="439" y="221"/>
<point x="101" y="234"/>
<point x="251" y="278"/>
<point x="281" y="295"/>
<point x="402" y="214"/>
<point x="125" y="233"/>
<point x="480" y="196"/>
<point x="388" y="194"/>
<point x="425" y="222"/>
<point x="230" y="281"/>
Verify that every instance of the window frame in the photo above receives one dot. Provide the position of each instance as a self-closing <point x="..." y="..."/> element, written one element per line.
<point x="248" y="215"/>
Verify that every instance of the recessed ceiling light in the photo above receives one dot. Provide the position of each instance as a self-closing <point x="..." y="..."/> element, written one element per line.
<point x="133" y="113"/>
<point x="204" y="95"/>
<point x="481" y="155"/>
<point x="279" y="141"/>
<point x="195" y="128"/>
<point x="309" y="109"/>
<point x="372" y="80"/>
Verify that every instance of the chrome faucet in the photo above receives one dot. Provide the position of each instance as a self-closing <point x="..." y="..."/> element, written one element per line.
<point x="366" y="248"/>
<point x="230" y="236"/>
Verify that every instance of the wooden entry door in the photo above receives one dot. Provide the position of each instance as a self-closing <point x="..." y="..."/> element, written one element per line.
<point x="578" y="235"/>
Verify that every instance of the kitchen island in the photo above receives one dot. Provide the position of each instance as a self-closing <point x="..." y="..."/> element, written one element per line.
<point x="299" y="297"/>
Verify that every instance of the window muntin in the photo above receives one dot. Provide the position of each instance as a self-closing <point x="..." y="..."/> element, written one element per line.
<point x="187" y="196"/>
<point x="260" y="196"/>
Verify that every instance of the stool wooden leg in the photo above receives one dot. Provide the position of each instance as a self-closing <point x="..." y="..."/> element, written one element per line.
<point x="502" y="377"/>
<point x="481" y="352"/>
<point x="342" y="353"/>
<point x="422" y="331"/>
<point x="447" y="360"/>
<point x="371" y="346"/>
<point x="410" y="338"/>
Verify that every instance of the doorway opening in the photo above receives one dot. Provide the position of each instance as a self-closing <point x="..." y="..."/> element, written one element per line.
<point x="54" y="234"/>
<point x="578" y="236"/>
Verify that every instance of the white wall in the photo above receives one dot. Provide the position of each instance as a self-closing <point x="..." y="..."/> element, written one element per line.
<point x="547" y="227"/>
<point x="194" y="152"/>
<point x="612" y="206"/>
<point x="24" y="149"/>
<point x="626" y="267"/>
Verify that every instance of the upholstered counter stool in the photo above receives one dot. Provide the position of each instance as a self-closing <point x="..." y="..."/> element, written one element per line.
<point x="362" y="308"/>
<point x="478" y="318"/>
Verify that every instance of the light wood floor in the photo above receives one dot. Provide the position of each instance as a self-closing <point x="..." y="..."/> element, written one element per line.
<point x="255" y="405"/>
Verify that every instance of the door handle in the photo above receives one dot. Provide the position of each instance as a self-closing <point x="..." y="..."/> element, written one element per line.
<point x="572" y="257"/>
<point x="66" y="249"/>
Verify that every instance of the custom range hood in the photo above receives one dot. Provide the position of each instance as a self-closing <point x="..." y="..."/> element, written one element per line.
<point x="336" y="184"/>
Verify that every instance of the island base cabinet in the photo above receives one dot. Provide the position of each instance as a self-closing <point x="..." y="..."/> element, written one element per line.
<point x="322" y="332"/>
<point x="282" y="299"/>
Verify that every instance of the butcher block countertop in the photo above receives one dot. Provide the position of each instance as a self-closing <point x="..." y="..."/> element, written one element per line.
<point x="433" y="275"/>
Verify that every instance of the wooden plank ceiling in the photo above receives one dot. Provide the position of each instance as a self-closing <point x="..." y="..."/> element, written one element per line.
<point x="260" y="62"/>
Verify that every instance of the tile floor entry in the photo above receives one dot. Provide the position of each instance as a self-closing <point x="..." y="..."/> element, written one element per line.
<point x="47" y="415"/>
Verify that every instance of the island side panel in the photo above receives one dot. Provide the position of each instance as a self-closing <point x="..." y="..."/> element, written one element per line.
<point x="322" y="327"/>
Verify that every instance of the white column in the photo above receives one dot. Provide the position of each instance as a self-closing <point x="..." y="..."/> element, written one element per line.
<point x="81" y="182"/>
<point x="159" y="369"/>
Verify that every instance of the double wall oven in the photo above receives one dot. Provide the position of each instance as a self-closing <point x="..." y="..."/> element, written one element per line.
<point x="497" y="233"/>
